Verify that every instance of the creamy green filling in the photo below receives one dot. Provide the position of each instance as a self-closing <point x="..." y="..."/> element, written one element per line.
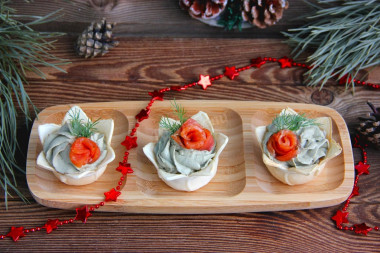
<point x="175" y="159"/>
<point x="313" y="146"/>
<point x="57" y="149"/>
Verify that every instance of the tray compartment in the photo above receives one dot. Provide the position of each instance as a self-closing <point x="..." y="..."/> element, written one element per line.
<point x="230" y="178"/>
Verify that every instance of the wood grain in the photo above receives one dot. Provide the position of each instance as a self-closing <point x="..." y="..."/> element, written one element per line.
<point x="153" y="18"/>
<point x="162" y="46"/>
<point x="259" y="232"/>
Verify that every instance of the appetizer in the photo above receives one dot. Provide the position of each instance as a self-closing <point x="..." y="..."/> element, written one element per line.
<point x="78" y="150"/>
<point x="187" y="152"/>
<point x="295" y="148"/>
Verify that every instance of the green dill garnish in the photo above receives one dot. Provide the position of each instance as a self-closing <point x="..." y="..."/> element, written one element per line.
<point x="80" y="128"/>
<point x="292" y="122"/>
<point x="174" y="126"/>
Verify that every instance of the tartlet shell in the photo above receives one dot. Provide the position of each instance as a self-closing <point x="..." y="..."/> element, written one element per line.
<point x="196" y="180"/>
<point x="293" y="175"/>
<point x="81" y="178"/>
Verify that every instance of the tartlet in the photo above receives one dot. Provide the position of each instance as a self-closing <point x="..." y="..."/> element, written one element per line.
<point x="299" y="174"/>
<point x="188" y="181"/>
<point x="71" y="174"/>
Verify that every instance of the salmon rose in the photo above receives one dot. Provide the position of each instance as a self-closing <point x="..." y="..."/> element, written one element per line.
<point x="192" y="135"/>
<point x="84" y="151"/>
<point x="283" y="145"/>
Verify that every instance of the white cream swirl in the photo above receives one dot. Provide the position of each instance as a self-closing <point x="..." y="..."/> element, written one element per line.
<point x="57" y="149"/>
<point x="175" y="159"/>
<point x="313" y="145"/>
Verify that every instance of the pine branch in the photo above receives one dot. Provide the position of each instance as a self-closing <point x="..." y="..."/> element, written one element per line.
<point x="344" y="37"/>
<point x="232" y="17"/>
<point x="21" y="49"/>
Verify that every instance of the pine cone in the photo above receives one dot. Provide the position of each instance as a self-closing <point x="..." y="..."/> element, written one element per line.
<point x="369" y="128"/>
<point x="96" y="40"/>
<point x="263" y="13"/>
<point x="205" y="9"/>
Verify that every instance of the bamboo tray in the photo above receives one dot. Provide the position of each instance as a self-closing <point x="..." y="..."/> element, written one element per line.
<point x="242" y="182"/>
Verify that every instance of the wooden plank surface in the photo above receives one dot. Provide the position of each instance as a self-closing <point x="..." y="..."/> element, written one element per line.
<point x="175" y="52"/>
<point x="152" y="18"/>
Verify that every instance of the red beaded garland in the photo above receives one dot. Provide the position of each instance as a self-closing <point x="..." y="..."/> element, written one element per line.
<point x="205" y="81"/>
<point x="361" y="168"/>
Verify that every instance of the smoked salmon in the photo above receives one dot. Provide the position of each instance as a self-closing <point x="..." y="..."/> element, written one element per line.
<point x="192" y="135"/>
<point x="283" y="145"/>
<point x="84" y="151"/>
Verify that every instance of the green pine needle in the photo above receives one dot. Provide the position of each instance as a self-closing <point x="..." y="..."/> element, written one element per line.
<point x="80" y="128"/>
<point x="231" y="17"/>
<point x="292" y="122"/>
<point x="344" y="37"/>
<point x="21" y="49"/>
<point x="174" y="126"/>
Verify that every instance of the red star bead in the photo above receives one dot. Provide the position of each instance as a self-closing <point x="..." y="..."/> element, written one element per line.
<point x="143" y="114"/>
<point x="204" y="81"/>
<point x="257" y="62"/>
<point x="16" y="233"/>
<point x="285" y="62"/>
<point x="355" y="191"/>
<point x="124" y="168"/>
<point x="340" y="217"/>
<point x="112" y="195"/>
<point x="51" y="225"/>
<point x="82" y="214"/>
<point x="362" y="168"/>
<point x="362" y="229"/>
<point x="129" y="142"/>
<point x="156" y="95"/>
<point x="231" y="72"/>
<point x="345" y="79"/>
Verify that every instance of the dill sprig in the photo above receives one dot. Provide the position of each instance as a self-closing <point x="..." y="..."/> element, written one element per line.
<point x="292" y="122"/>
<point x="171" y="125"/>
<point x="344" y="37"/>
<point x="80" y="128"/>
<point x="21" y="49"/>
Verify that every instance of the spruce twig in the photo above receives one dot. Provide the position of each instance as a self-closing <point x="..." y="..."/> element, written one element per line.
<point x="344" y="37"/>
<point x="231" y="17"/>
<point x="21" y="49"/>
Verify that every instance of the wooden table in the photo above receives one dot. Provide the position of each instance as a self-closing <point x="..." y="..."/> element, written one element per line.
<point x="160" y="46"/>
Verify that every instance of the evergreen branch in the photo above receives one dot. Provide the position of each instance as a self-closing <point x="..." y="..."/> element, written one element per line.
<point x="232" y="17"/>
<point x="344" y="37"/>
<point x="292" y="122"/>
<point x="21" y="49"/>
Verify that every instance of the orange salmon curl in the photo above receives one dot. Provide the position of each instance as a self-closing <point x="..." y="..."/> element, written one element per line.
<point x="283" y="145"/>
<point x="84" y="151"/>
<point x="192" y="135"/>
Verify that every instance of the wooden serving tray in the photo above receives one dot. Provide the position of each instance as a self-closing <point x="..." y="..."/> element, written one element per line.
<point x="242" y="182"/>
